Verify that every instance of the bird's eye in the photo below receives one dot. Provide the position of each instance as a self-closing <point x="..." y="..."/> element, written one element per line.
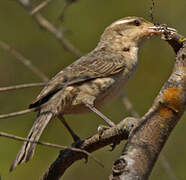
<point x="137" y="22"/>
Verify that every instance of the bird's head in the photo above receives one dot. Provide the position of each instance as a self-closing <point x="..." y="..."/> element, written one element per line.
<point x="129" y="31"/>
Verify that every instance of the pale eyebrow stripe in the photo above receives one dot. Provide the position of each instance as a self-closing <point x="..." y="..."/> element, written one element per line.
<point x="120" y="22"/>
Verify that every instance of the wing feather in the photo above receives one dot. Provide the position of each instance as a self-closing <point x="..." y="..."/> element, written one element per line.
<point x="84" y="69"/>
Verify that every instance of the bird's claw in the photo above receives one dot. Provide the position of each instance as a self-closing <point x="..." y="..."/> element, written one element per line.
<point x="86" y="159"/>
<point x="102" y="128"/>
<point x="113" y="146"/>
<point x="77" y="142"/>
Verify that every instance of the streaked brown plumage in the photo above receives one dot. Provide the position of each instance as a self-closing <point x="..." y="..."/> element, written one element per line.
<point x="94" y="79"/>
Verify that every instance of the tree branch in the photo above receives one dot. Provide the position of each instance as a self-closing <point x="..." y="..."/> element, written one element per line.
<point x="67" y="157"/>
<point x="148" y="138"/>
<point x="18" y="138"/>
<point x="40" y="6"/>
<point x="165" y="164"/>
<point x="21" y="86"/>
<point x="26" y="62"/>
<point x="46" y="25"/>
<point x="18" y="113"/>
<point x="129" y="106"/>
<point x="163" y="160"/>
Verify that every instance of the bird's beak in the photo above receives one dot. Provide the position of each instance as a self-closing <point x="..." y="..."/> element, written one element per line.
<point x="155" y="30"/>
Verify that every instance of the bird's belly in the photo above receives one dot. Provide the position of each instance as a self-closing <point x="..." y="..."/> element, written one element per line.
<point x="111" y="92"/>
<point x="103" y="89"/>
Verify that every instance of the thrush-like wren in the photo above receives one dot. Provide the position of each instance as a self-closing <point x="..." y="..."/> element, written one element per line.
<point x="92" y="80"/>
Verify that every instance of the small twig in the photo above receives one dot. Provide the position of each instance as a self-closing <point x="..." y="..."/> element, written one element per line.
<point x="10" y="136"/>
<point x="129" y="106"/>
<point x="21" y="86"/>
<point x="24" y="2"/>
<point x="26" y="62"/>
<point x="62" y="14"/>
<point x="165" y="164"/>
<point x="3" y="116"/>
<point x="46" y="25"/>
<point x="40" y="6"/>
<point x="68" y="3"/>
<point x="151" y="11"/>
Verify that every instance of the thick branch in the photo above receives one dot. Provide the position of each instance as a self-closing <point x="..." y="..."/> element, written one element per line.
<point x="163" y="160"/>
<point x="67" y="157"/>
<point x="148" y="138"/>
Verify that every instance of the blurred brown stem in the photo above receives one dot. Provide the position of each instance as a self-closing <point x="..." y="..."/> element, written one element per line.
<point x="18" y="113"/>
<point x="21" y="86"/>
<point x="40" y="6"/>
<point x="46" y="25"/>
<point x="128" y="106"/>
<point x="26" y="62"/>
<point x="18" y="138"/>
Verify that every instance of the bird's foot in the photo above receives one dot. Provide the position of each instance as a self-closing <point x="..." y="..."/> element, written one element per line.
<point x="76" y="138"/>
<point x="113" y="145"/>
<point x="102" y="128"/>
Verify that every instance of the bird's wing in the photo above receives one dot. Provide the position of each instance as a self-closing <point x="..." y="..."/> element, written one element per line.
<point x="84" y="69"/>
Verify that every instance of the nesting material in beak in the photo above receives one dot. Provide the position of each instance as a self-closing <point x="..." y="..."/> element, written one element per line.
<point x="160" y="29"/>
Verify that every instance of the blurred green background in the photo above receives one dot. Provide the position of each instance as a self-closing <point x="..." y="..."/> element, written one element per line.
<point x="84" y="22"/>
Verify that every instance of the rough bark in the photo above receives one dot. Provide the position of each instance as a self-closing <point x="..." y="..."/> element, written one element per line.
<point x="148" y="138"/>
<point x="67" y="157"/>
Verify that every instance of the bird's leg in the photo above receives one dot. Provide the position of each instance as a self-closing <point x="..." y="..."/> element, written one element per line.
<point x="107" y="120"/>
<point x="102" y="128"/>
<point x="75" y="137"/>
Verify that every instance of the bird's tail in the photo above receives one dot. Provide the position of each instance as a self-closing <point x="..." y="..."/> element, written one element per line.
<point x="28" y="148"/>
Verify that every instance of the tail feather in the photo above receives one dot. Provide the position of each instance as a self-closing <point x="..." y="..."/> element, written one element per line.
<point x="28" y="148"/>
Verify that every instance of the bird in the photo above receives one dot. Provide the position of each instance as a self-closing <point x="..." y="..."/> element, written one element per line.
<point x="91" y="81"/>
